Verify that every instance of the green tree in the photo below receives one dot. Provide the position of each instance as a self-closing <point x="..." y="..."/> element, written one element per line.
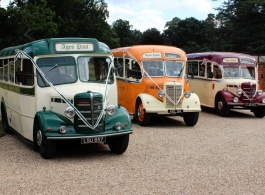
<point x="242" y="25"/>
<point x="27" y="22"/>
<point x="152" y="36"/>
<point x="124" y="32"/>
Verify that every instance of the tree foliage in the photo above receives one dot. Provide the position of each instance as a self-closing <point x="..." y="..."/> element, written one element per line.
<point x="238" y="26"/>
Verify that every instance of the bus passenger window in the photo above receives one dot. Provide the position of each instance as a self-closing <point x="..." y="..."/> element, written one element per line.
<point x="1" y="69"/>
<point x="202" y="70"/>
<point x="27" y="69"/>
<point x="217" y="72"/>
<point x="17" y="67"/>
<point x="136" y="70"/>
<point x="5" y="74"/>
<point x="193" y="67"/>
<point x="120" y="65"/>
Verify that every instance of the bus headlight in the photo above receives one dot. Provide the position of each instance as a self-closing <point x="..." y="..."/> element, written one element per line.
<point x="69" y="112"/>
<point x="263" y="100"/>
<point x="239" y="91"/>
<point x="235" y="100"/>
<point x="63" y="129"/>
<point x="110" y="110"/>
<point x="187" y="94"/>
<point x="260" y="92"/>
<point x="161" y="93"/>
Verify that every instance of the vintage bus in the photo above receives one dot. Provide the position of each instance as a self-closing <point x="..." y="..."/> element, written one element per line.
<point x="62" y="89"/>
<point x="226" y="80"/>
<point x="151" y="80"/>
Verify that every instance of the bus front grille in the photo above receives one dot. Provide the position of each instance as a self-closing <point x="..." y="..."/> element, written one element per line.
<point x="249" y="91"/>
<point x="90" y="108"/>
<point x="174" y="92"/>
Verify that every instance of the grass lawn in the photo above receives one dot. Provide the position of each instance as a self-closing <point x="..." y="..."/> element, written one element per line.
<point x="2" y="133"/>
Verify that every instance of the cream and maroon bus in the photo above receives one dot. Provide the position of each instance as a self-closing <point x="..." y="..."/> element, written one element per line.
<point x="152" y="81"/>
<point x="62" y="89"/>
<point x="225" y="81"/>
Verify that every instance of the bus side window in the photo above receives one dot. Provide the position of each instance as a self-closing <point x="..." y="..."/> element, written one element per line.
<point x="11" y="70"/>
<point x="136" y="70"/>
<point x="120" y="65"/>
<point x="127" y="66"/>
<point x="202" y="69"/>
<point x="193" y="67"/>
<point x="5" y="73"/>
<point x="17" y="68"/>
<point x="28" y="74"/>
<point x="1" y="69"/>
<point x="217" y="72"/>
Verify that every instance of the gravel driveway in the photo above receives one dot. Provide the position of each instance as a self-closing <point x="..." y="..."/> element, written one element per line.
<point x="217" y="156"/>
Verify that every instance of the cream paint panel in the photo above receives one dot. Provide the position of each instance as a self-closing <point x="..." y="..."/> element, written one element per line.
<point x="28" y="110"/>
<point x="13" y="111"/>
<point x="198" y="86"/>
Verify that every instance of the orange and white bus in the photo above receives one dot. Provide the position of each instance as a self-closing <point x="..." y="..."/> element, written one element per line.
<point x="225" y="81"/>
<point x="152" y="80"/>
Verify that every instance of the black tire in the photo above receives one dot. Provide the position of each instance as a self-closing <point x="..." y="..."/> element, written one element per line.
<point x="259" y="112"/>
<point x="221" y="107"/>
<point x="47" y="148"/>
<point x="118" y="144"/>
<point x="142" y="117"/>
<point x="5" y="121"/>
<point x="191" y="118"/>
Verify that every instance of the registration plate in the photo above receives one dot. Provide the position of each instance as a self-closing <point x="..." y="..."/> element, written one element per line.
<point x="174" y="111"/>
<point x="250" y="104"/>
<point x="90" y="140"/>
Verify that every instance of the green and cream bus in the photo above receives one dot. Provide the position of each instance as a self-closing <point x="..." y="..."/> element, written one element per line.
<point x="62" y="89"/>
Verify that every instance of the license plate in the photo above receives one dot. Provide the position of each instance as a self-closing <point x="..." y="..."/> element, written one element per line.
<point x="90" y="140"/>
<point x="250" y="104"/>
<point x="174" y="111"/>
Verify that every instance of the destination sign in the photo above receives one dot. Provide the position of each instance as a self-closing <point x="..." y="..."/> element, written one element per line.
<point x="172" y="55"/>
<point x="152" y="55"/>
<point x="82" y="46"/>
<point x="230" y="60"/>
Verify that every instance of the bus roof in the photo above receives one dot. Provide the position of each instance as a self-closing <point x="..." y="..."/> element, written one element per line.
<point x="48" y="46"/>
<point x="225" y="58"/>
<point x="138" y="50"/>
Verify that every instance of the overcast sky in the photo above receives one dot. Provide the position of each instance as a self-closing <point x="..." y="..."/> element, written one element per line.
<point x="145" y="14"/>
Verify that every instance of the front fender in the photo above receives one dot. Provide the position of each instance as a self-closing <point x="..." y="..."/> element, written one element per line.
<point x="122" y="116"/>
<point x="192" y="103"/>
<point x="50" y="122"/>
<point x="228" y="96"/>
<point x="150" y="101"/>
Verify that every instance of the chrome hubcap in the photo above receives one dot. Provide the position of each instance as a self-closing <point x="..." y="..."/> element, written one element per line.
<point x="39" y="137"/>
<point x="139" y="112"/>
<point x="220" y="105"/>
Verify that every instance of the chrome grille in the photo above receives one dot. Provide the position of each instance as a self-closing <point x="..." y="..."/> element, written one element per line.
<point x="249" y="89"/>
<point x="90" y="108"/>
<point x="174" y="92"/>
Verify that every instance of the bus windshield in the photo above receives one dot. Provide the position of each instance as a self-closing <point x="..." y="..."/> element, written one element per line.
<point x="231" y="72"/>
<point x="174" y="68"/>
<point x="59" y="70"/>
<point x="156" y="68"/>
<point x="248" y="72"/>
<point x="94" y="69"/>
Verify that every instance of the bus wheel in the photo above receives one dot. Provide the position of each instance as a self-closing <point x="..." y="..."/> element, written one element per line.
<point x="222" y="108"/>
<point x="47" y="148"/>
<point x="118" y="144"/>
<point x="191" y="118"/>
<point x="259" y="112"/>
<point x="143" y="119"/>
<point x="5" y="121"/>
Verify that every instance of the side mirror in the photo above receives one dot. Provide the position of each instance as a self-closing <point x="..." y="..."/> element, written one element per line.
<point x="20" y="76"/>
<point x="210" y="75"/>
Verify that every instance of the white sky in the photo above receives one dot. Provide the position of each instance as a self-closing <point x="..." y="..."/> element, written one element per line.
<point x="145" y="14"/>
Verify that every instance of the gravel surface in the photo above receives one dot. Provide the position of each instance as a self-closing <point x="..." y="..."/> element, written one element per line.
<point x="217" y="156"/>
